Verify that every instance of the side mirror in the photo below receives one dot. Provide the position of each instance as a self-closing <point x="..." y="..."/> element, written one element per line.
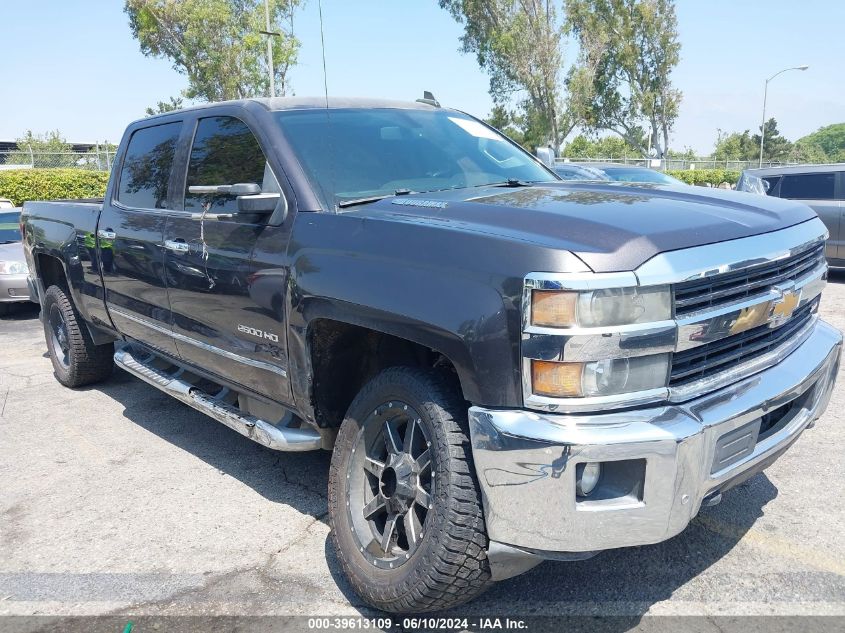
<point x="238" y="189"/>
<point x="258" y="203"/>
<point x="248" y="194"/>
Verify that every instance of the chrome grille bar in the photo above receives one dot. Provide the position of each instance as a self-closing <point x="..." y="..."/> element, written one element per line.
<point x="709" y="359"/>
<point x="693" y="296"/>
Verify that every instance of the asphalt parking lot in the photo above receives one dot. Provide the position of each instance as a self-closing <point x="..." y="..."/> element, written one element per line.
<point x="117" y="499"/>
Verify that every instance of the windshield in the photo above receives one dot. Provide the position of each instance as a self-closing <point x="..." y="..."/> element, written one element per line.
<point x="351" y="154"/>
<point x="640" y="174"/>
<point x="10" y="230"/>
<point x="575" y="172"/>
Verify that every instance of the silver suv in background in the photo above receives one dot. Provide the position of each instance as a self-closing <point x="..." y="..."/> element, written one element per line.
<point x="822" y="187"/>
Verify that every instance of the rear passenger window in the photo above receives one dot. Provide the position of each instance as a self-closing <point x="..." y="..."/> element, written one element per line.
<point x="808" y="186"/>
<point x="225" y="153"/>
<point x="146" y="166"/>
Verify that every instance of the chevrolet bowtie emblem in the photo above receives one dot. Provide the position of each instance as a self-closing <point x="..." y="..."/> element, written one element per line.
<point x="784" y="307"/>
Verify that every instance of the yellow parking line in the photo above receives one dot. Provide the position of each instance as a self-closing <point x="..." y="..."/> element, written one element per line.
<point x="778" y="546"/>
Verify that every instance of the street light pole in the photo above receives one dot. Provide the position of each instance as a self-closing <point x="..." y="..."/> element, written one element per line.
<point x="269" y="33"/>
<point x="765" y="95"/>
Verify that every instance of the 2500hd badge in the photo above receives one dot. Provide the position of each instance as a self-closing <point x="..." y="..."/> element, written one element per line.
<point x="253" y="331"/>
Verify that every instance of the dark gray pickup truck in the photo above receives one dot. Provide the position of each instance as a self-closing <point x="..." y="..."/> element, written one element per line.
<point x="507" y="367"/>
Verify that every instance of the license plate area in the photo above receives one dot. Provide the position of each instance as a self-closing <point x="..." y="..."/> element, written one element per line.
<point x="736" y="445"/>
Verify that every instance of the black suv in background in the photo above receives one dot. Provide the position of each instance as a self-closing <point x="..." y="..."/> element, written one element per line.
<point x="822" y="187"/>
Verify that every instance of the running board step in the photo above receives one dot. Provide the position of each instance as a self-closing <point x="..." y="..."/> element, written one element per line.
<point x="256" y="429"/>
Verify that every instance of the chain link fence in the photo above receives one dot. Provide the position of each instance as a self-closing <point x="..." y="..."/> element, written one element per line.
<point x="95" y="159"/>
<point x="701" y="162"/>
<point x="99" y="159"/>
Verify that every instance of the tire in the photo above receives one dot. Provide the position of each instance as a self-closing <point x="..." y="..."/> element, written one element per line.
<point x="436" y="556"/>
<point x="77" y="361"/>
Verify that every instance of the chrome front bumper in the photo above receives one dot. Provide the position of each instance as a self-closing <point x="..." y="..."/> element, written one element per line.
<point x="526" y="461"/>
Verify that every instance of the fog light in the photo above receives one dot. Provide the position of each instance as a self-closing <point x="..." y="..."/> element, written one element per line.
<point x="587" y="478"/>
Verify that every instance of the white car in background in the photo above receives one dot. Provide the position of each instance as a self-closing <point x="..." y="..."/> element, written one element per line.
<point x="13" y="268"/>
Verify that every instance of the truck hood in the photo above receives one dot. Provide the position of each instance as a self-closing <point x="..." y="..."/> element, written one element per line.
<point x="609" y="226"/>
<point x="12" y="252"/>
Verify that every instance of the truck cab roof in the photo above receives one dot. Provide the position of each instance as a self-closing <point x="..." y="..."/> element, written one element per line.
<point x="308" y="103"/>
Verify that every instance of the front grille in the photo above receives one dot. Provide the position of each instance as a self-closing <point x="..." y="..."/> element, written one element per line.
<point x="711" y="292"/>
<point x="718" y="356"/>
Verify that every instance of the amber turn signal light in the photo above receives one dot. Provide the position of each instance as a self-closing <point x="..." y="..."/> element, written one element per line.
<point x="553" y="308"/>
<point x="557" y="380"/>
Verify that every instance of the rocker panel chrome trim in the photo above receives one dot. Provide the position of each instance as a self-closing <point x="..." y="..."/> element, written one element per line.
<point x="256" y="429"/>
<point x="202" y="345"/>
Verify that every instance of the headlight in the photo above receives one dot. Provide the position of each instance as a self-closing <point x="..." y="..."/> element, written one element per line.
<point x="13" y="268"/>
<point x="600" y="308"/>
<point x="599" y="378"/>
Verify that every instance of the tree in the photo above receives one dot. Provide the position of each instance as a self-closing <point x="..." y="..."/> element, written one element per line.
<point x="165" y="106"/>
<point x="524" y="127"/>
<point x="736" y="146"/>
<point x="99" y="157"/>
<point x="687" y="154"/>
<point x="829" y="139"/>
<point x="216" y="43"/>
<point x="519" y="44"/>
<point x="622" y="82"/>
<point x="775" y="146"/>
<point x="506" y="122"/>
<point x="804" y="152"/>
<point x="605" y="147"/>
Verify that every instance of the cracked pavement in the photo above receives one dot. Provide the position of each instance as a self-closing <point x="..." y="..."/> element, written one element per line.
<point x="117" y="499"/>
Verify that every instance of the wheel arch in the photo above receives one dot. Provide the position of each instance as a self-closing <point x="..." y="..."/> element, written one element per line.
<point x="343" y="353"/>
<point x="52" y="270"/>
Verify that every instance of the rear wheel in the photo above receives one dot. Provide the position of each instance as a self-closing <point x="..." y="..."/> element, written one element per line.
<point x="77" y="361"/>
<point x="404" y="505"/>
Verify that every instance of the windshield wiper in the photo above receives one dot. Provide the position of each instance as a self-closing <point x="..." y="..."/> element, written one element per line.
<point x="351" y="203"/>
<point x="510" y="182"/>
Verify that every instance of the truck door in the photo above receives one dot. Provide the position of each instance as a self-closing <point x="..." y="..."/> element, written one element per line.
<point x="129" y="237"/>
<point x="208" y="263"/>
<point x="817" y="190"/>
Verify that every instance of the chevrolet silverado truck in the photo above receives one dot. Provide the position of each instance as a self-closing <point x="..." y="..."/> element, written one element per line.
<point x="507" y="367"/>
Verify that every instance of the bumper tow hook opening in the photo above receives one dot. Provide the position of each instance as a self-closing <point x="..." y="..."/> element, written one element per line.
<point x="712" y="500"/>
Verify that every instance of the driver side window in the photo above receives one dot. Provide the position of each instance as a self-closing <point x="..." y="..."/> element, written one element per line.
<point x="225" y="153"/>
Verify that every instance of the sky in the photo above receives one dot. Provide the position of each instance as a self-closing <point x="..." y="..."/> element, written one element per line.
<point x="73" y="65"/>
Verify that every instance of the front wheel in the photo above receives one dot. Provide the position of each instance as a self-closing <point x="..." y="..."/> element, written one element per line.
<point x="404" y="504"/>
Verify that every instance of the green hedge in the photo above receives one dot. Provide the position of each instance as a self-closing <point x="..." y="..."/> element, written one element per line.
<point x="20" y="185"/>
<point x="703" y="176"/>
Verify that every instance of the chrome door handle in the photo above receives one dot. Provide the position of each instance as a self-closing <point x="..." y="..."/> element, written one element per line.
<point x="177" y="246"/>
<point x="106" y="234"/>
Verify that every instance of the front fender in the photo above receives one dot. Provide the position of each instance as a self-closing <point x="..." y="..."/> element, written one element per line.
<point x="434" y="283"/>
<point x="467" y="323"/>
